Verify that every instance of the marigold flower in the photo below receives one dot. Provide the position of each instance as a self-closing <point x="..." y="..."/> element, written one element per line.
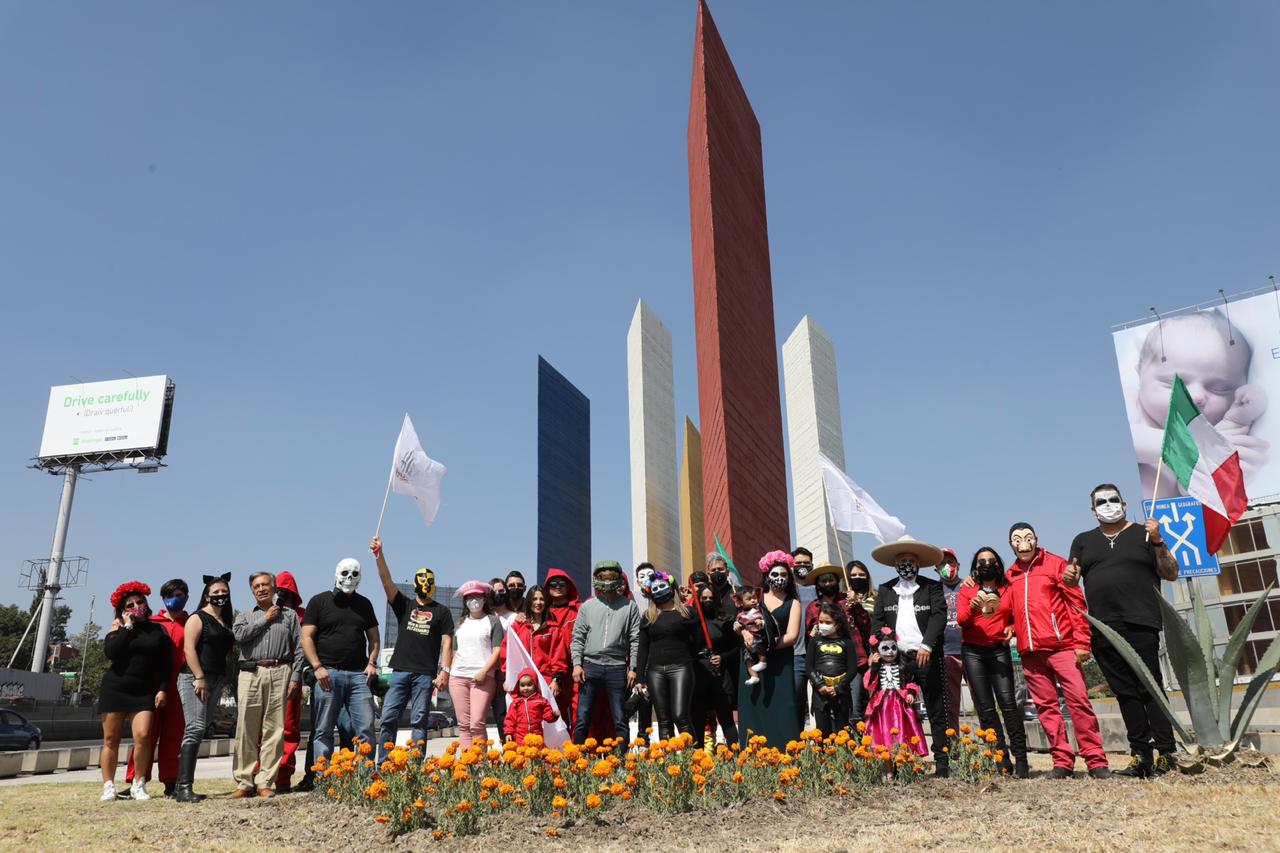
<point x="552" y="831"/>
<point x="593" y="801"/>
<point x="383" y="818"/>
<point x="616" y="789"/>
<point x="558" y="782"/>
<point x="965" y="728"/>
<point x="779" y="796"/>
<point x="464" y="806"/>
<point x="631" y="779"/>
<point x="366" y="748"/>
<point x="673" y="770"/>
<point x="460" y="775"/>
<point x="601" y="769"/>
<point x="951" y="732"/>
<point x="419" y="805"/>
<point x="505" y="790"/>
<point x="626" y="795"/>
<point x="915" y="739"/>
<point x="738" y="777"/>
<point x="529" y="781"/>
<point x="558" y="802"/>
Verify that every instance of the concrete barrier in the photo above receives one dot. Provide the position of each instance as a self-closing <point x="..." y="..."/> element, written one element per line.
<point x="221" y="746"/>
<point x="95" y="756"/>
<point x="40" y="760"/>
<point x="77" y="758"/>
<point x="10" y="764"/>
<point x="205" y="746"/>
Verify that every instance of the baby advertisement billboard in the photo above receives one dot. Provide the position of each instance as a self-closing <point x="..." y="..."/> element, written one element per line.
<point x="1229" y="358"/>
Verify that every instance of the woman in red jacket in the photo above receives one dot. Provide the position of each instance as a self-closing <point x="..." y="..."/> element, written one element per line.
<point x="985" y="613"/>
<point x="527" y="710"/>
<point x="537" y="629"/>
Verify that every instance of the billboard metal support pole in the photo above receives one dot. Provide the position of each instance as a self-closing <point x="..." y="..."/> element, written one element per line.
<point x="84" y="651"/>
<point x="52" y="576"/>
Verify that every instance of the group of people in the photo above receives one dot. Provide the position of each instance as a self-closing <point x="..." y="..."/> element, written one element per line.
<point x="676" y="658"/>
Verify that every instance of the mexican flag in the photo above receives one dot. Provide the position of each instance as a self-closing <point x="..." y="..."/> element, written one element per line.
<point x="734" y="576"/>
<point x="1206" y="465"/>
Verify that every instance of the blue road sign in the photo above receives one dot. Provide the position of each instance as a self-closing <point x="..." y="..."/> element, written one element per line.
<point x="1182" y="522"/>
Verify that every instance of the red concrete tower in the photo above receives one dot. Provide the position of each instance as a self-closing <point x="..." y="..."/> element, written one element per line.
<point x="744" y="477"/>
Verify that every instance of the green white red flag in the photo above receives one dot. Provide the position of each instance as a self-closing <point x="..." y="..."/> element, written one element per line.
<point x="1206" y="465"/>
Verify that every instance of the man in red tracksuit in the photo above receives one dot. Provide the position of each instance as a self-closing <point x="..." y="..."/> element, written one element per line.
<point x="166" y="730"/>
<point x="285" y="584"/>
<point x="1053" y="642"/>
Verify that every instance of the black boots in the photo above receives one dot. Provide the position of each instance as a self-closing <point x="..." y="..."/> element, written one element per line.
<point x="187" y="774"/>
<point x="1139" y="766"/>
<point x="1020" y="768"/>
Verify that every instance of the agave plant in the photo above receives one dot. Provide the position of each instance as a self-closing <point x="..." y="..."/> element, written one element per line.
<point x="1206" y="685"/>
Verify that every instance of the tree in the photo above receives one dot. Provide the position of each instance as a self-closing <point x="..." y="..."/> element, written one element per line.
<point x="89" y="640"/>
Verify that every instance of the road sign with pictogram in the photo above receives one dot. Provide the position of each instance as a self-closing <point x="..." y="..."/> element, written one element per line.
<point x="1182" y="525"/>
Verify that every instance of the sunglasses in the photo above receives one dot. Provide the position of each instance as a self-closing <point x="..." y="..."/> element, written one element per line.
<point x="557" y="583"/>
<point x="1105" y="501"/>
<point x="988" y="564"/>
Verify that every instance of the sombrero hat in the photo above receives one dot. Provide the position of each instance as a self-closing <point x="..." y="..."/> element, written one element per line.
<point x="812" y="577"/>
<point x="925" y="554"/>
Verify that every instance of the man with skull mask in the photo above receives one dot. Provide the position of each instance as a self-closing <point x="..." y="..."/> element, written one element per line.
<point x="338" y="626"/>
<point x="1122" y="565"/>
<point x="1053" y="642"/>
<point x="916" y="609"/>
<point x="423" y="652"/>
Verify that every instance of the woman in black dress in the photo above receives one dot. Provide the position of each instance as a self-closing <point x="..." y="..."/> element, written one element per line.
<point x="141" y="657"/>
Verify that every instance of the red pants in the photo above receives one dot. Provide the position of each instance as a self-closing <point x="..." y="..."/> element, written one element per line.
<point x="953" y="669"/>
<point x="1041" y="670"/>
<point x="166" y="738"/>
<point x="292" y="737"/>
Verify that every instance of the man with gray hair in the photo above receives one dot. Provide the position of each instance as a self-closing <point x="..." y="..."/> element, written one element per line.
<point x="727" y="605"/>
<point x="268" y="637"/>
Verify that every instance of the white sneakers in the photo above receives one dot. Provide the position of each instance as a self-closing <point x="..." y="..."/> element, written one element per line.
<point x="760" y="667"/>
<point x="108" y="792"/>
<point x="138" y="790"/>
<point x="754" y="679"/>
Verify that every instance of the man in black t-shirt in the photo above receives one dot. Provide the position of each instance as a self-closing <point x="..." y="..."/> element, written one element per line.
<point x="1122" y="564"/>
<point x="423" y="642"/>
<point x="339" y="624"/>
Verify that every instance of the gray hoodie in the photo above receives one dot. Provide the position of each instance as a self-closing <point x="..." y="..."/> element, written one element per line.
<point x="607" y="634"/>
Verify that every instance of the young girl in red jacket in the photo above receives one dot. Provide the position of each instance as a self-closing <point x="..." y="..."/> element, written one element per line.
<point x="527" y="710"/>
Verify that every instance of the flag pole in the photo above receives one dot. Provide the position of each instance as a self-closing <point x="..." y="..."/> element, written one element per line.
<point x="844" y="569"/>
<point x="383" y="512"/>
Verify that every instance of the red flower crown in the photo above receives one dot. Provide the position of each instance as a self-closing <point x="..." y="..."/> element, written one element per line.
<point x="126" y="589"/>
<point x="885" y="633"/>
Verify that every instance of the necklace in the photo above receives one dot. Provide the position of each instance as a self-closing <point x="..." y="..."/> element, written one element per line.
<point x="1111" y="540"/>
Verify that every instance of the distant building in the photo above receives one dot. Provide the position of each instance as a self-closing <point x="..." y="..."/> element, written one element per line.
<point x="693" y="541"/>
<point x="390" y="627"/>
<point x="564" y="478"/>
<point x="651" y="405"/>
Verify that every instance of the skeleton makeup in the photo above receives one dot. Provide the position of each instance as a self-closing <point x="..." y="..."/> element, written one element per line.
<point x="424" y="583"/>
<point x="1023" y="539"/>
<point x="778" y="577"/>
<point x="346" y="577"/>
<point x="660" y="588"/>
<point x="1108" y="506"/>
<point x="888" y="649"/>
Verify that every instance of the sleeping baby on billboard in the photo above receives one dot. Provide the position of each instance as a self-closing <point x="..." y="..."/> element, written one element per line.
<point x="1213" y="358"/>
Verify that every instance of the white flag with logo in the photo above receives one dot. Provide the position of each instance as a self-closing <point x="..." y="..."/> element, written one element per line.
<point x="556" y="732"/>
<point x="854" y="510"/>
<point x="416" y="474"/>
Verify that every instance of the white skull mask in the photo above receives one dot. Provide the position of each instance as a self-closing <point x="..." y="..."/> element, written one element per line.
<point x="346" y="577"/>
<point x="1108" y="506"/>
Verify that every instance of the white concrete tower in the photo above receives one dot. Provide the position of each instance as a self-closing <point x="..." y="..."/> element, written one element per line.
<point x="813" y="427"/>
<point x="655" y="507"/>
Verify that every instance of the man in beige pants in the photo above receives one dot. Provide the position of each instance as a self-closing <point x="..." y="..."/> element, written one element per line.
<point x="271" y="661"/>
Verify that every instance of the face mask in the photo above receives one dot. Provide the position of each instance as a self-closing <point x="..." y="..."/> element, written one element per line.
<point x="829" y="589"/>
<point x="140" y="611"/>
<point x="1108" y="507"/>
<point x="826" y="629"/>
<point x="947" y="573"/>
<point x="778" y="578"/>
<point x="175" y="604"/>
<point x="802" y="569"/>
<point x="660" y="594"/>
<point x="1023" y="541"/>
<point x="860" y="584"/>
<point x="988" y="572"/>
<point x="644" y="577"/>
<point x="515" y="594"/>
<point x="346" y="577"/>
<point x="605" y="584"/>
<point x="219" y="600"/>
<point x="499" y="596"/>
<point x="475" y="605"/>
<point x="424" y="583"/>
<point x="708" y="607"/>
<point x="719" y="578"/>
<point x="908" y="571"/>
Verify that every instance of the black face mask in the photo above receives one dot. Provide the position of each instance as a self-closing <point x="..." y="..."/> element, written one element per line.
<point x="218" y="600"/>
<point x="500" y="597"/>
<point x="719" y="578"/>
<point x="828" y="589"/>
<point x="988" y="573"/>
<point x="708" y="607"/>
<point x="859" y="584"/>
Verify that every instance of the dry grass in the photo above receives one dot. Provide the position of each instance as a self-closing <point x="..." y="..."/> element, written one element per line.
<point x="1230" y="809"/>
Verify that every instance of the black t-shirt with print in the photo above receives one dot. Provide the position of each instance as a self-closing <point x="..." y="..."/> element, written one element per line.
<point x="418" y="638"/>
<point x="1120" y="583"/>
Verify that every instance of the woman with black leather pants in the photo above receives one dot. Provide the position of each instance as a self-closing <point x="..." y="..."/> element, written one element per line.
<point x="986" y="623"/>
<point x="665" y="659"/>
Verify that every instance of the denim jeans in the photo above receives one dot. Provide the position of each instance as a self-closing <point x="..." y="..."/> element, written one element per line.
<point x="196" y="711"/>
<point x="612" y="680"/>
<point x="349" y="691"/>
<point x="406" y="688"/>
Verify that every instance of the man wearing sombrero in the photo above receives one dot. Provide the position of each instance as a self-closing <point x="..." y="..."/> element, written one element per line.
<point x="916" y="609"/>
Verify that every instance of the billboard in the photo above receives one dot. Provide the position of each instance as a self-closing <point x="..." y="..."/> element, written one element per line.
<point x="104" y="417"/>
<point x="1229" y="358"/>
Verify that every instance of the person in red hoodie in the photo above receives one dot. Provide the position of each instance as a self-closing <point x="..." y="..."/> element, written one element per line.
<point x="538" y="632"/>
<point x="287" y="592"/>
<point x="984" y="611"/>
<point x="527" y="710"/>
<point x="166" y="731"/>
<point x="1053" y="642"/>
<point x="565" y="602"/>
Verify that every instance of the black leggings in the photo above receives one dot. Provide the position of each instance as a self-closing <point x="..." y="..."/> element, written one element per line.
<point x="831" y="713"/>
<point x="671" y="692"/>
<point x="711" y="702"/>
<point x="989" y="671"/>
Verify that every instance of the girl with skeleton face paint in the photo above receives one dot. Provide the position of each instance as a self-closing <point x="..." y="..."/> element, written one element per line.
<point x="895" y="692"/>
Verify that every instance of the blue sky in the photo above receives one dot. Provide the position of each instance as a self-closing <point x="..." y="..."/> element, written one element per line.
<point x="316" y="216"/>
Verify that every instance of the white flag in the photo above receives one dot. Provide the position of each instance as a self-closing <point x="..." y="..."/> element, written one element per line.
<point x="416" y="474"/>
<point x="555" y="732"/>
<point x="854" y="510"/>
